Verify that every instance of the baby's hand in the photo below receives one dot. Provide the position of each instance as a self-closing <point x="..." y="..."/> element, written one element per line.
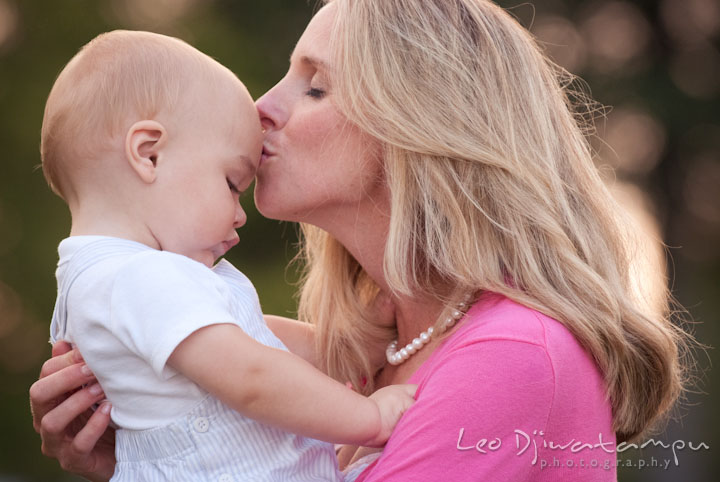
<point x="392" y="401"/>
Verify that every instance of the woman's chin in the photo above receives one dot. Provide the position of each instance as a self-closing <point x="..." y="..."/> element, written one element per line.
<point x="273" y="206"/>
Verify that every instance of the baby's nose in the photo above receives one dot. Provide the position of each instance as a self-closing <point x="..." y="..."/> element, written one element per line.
<point x="240" y="217"/>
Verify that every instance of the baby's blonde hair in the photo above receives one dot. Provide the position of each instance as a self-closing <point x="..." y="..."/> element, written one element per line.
<point x="493" y="188"/>
<point x="117" y="78"/>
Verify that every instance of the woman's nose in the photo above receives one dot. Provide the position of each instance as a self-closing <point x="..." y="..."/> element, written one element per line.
<point x="271" y="109"/>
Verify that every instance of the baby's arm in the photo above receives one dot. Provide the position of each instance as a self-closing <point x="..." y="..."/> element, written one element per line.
<point x="281" y="389"/>
<point x="298" y="336"/>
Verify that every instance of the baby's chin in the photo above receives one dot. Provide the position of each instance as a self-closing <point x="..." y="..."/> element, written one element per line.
<point x="207" y="258"/>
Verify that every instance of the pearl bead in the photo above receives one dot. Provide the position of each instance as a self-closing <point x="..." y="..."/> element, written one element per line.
<point x="395" y="357"/>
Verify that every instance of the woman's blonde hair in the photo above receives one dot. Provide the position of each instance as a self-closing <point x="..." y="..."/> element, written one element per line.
<point x="493" y="188"/>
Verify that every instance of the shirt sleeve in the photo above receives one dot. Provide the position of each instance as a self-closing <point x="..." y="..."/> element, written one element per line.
<point x="159" y="299"/>
<point x="464" y="423"/>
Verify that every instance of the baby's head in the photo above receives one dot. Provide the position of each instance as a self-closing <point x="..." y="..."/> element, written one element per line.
<point x="147" y="138"/>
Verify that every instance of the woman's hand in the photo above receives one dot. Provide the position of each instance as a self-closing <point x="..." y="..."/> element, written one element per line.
<point x="61" y="407"/>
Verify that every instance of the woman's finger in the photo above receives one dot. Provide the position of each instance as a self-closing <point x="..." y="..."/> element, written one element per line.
<point x="60" y="348"/>
<point x="58" y="362"/>
<point x="55" y="385"/>
<point x="49" y="393"/>
<point x="86" y="439"/>
<point x="56" y="421"/>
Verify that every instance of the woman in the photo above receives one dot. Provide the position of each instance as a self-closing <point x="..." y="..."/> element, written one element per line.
<point x="429" y="151"/>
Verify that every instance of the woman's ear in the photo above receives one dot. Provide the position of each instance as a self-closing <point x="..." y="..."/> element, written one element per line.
<point x="143" y="145"/>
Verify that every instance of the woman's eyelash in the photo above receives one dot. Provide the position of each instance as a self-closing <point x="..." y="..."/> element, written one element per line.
<point x="315" y="93"/>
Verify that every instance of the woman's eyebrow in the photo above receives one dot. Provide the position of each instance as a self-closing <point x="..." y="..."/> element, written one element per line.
<point x="313" y="62"/>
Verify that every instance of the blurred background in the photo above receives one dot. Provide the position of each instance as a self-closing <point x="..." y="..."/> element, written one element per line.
<point x="655" y="64"/>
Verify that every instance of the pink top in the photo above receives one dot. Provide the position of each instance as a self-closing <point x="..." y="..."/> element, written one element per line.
<point x="508" y="381"/>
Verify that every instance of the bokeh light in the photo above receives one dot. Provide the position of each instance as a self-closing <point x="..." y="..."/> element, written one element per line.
<point x="691" y="21"/>
<point x="8" y="23"/>
<point x="142" y="14"/>
<point x="562" y="41"/>
<point x="617" y="35"/>
<point x="696" y="70"/>
<point x="701" y="189"/>
<point x="694" y="26"/>
<point x="635" y="139"/>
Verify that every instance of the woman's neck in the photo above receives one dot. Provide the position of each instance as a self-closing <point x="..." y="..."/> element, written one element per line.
<point x="365" y="239"/>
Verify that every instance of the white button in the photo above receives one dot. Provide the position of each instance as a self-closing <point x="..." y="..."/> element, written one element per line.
<point x="225" y="478"/>
<point x="201" y="424"/>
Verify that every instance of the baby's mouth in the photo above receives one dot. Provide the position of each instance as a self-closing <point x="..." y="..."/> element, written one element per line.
<point x="224" y="247"/>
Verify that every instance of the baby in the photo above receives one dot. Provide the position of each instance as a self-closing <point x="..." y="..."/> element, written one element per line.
<point x="151" y="142"/>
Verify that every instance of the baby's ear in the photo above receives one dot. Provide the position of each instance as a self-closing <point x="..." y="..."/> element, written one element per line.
<point x="143" y="143"/>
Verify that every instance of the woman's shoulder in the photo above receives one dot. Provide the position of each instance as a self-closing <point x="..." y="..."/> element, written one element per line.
<point x="524" y="361"/>
<point x="495" y="317"/>
<point x="523" y="341"/>
<point x="529" y="345"/>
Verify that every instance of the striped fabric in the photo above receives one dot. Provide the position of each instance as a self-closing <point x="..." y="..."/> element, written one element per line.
<point x="215" y="443"/>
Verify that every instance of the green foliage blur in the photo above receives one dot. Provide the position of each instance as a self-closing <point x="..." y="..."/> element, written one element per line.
<point x="657" y="63"/>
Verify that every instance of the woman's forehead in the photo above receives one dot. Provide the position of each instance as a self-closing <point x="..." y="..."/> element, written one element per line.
<point x="313" y="46"/>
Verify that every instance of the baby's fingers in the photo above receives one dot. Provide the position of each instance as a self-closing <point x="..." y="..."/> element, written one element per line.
<point x="409" y="397"/>
<point x="410" y="389"/>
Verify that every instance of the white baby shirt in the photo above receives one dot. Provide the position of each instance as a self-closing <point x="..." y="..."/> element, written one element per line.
<point x="127" y="306"/>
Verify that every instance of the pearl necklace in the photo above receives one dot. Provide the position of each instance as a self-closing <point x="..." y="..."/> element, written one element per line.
<point x="395" y="357"/>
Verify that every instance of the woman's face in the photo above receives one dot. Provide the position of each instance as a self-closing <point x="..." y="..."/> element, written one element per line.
<point x="316" y="167"/>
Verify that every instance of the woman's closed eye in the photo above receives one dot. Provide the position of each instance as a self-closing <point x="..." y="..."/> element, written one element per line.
<point x="315" y="93"/>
